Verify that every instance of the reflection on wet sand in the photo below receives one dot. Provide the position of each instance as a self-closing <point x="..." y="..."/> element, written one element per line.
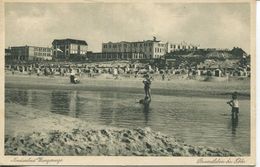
<point x="146" y="113"/>
<point x="234" y="124"/>
<point x="19" y="96"/>
<point x="66" y="103"/>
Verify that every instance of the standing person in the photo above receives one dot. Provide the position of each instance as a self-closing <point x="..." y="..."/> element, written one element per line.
<point x="163" y="76"/>
<point x="234" y="104"/>
<point x="12" y="71"/>
<point x="147" y="86"/>
<point x="38" y="72"/>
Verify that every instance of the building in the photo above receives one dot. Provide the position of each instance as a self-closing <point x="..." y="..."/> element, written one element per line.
<point x="69" y="48"/>
<point x="180" y="46"/>
<point x="8" y="54"/>
<point x="151" y="49"/>
<point x="106" y="56"/>
<point x="30" y="53"/>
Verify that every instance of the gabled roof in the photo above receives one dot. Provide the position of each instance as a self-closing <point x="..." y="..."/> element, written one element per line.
<point x="7" y="50"/>
<point x="68" y="40"/>
<point x="131" y="41"/>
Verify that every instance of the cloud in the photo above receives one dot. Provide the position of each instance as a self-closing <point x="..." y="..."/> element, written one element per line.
<point x="210" y="25"/>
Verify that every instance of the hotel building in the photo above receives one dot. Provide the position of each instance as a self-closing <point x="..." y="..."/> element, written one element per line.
<point x="66" y="48"/>
<point x="171" y="47"/>
<point x="151" y="49"/>
<point x="30" y="53"/>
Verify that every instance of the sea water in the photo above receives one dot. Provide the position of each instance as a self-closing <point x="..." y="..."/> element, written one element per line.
<point x="195" y="120"/>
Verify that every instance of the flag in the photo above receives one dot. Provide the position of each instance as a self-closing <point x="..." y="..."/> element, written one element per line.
<point x="58" y="49"/>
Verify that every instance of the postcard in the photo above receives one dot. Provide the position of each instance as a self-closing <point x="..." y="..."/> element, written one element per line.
<point x="137" y="82"/>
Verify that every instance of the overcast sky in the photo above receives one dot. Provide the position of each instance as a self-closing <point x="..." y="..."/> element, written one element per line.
<point x="215" y="25"/>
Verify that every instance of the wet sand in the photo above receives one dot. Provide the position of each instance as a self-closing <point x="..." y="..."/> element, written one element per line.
<point x="34" y="132"/>
<point x="133" y="85"/>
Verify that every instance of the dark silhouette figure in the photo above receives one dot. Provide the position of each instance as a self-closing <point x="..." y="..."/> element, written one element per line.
<point x="146" y="112"/>
<point x="234" y="124"/>
<point x="147" y="86"/>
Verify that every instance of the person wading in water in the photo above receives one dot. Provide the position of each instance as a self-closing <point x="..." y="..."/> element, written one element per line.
<point x="234" y="105"/>
<point x="147" y="88"/>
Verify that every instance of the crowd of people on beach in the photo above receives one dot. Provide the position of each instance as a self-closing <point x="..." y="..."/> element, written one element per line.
<point x="123" y="70"/>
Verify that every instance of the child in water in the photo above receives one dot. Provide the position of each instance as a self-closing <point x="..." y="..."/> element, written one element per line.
<point x="234" y="104"/>
<point x="147" y="83"/>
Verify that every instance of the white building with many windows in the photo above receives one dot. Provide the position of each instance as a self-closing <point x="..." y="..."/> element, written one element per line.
<point x="171" y="47"/>
<point x="30" y="53"/>
<point x="151" y="49"/>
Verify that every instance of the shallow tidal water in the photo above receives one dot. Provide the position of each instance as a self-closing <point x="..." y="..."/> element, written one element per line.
<point x="195" y="120"/>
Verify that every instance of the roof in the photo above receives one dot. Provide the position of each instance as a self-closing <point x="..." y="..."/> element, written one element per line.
<point x="25" y="46"/>
<point x="68" y="40"/>
<point x="131" y="41"/>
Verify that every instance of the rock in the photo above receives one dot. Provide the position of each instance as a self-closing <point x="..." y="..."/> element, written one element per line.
<point x="149" y="146"/>
<point x="176" y="154"/>
<point x="140" y="137"/>
<point x="77" y="150"/>
<point x="119" y="142"/>
<point x="192" y="151"/>
<point x="126" y="140"/>
<point x="125" y="135"/>
<point x="169" y="149"/>
<point x="104" y="132"/>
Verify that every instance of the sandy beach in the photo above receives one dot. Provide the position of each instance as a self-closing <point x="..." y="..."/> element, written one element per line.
<point x="183" y="87"/>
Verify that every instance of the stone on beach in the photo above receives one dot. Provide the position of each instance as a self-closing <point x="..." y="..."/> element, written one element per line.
<point x="105" y="141"/>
